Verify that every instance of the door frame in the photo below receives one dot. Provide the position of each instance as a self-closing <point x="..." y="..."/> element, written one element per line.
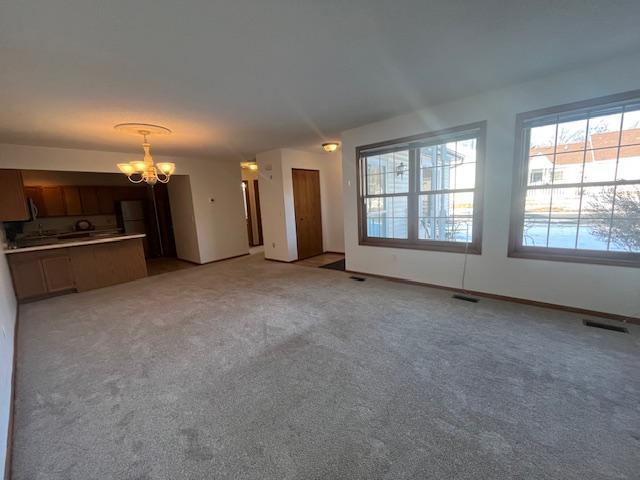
<point x="256" y="198"/>
<point x="247" y="199"/>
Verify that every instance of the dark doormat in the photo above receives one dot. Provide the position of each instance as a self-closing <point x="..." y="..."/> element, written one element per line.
<point x="339" y="265"/>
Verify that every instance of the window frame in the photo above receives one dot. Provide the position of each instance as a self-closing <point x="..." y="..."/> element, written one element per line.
<point x="581" y="109"/>
<point x="412" y="143"/>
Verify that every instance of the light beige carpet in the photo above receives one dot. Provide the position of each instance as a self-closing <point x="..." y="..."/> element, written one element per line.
<point x="250" y="369"/>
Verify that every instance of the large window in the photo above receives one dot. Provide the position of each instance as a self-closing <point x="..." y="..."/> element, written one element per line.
<point x="577" y="183"/>
<point x="423" y="191"/>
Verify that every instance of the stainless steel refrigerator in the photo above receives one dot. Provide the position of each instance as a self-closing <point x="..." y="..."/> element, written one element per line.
<point x="131" y="220"/>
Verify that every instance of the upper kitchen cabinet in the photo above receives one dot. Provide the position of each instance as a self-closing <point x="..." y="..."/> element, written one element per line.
<point x="53" y="202"/>
<point x="106" y="200"/>
<point x="89" y="200"/>
<point x="72" y="201"/>
<point x="13" y="204"/>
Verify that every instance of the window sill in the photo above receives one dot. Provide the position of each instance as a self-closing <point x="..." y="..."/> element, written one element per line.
<point x="618" y="259"/>
<point x="428" y="246"/>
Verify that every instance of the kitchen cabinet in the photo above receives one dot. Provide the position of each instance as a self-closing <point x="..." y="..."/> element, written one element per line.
<point x="57" y="273"/>
<point x="28" y="277"/>
<point x="105" y="200"/>
<point x="52" y="202"/>
<point x="36" y="274"/>
<point x="72" y="202"/>
<point x="89" y="200"/>
<point x="13" y="204"/>
<point x="79" y="268"/>
<point x="35" y="195"/>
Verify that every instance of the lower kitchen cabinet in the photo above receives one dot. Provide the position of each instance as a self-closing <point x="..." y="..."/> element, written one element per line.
<point x="36" y="274"/>
<point x="85" y="267"/>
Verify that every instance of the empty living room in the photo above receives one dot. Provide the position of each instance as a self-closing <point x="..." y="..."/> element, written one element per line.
<point x="302" y="239"/>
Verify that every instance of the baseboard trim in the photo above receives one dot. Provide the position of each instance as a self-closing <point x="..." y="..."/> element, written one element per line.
<point x="524" y="301"/>
<point x="280" y="261"/>
<point x="215" y="261"/>
<point x="9" y="454"/>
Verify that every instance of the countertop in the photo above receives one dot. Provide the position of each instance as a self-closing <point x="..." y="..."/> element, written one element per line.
<point x="75" y="243"/>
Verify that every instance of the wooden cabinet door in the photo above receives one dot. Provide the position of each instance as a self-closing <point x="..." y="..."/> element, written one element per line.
<point x="35" y="194"/>
<point x="89" y="200"/>
<point x="28" y="277"/>
<point x="306" y="201"/>
<point x="57" y="273"/>
<point x="13" y="204"/>
<point x="105" y="200"/>
<point x="52" y="202"/>
<point x="72" y="202"/>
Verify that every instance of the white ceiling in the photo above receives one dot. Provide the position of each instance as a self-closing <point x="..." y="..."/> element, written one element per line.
<point x="237" y="77"/>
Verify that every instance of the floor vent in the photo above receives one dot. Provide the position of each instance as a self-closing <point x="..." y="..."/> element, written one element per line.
<point x="605" y="326"/>
<point x="358" y="279"/>
<point x="457" y="296"/>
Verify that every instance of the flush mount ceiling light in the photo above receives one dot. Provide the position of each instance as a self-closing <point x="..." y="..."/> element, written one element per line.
<point x="330" y="147"/>
<point x="250" y="165"/>
<point x="145" y="170"/>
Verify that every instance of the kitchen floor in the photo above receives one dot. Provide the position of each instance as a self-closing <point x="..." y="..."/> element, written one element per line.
<point x="263" y="370"/>
<point x="158" y="266"/>
<point x="320" y="260"/>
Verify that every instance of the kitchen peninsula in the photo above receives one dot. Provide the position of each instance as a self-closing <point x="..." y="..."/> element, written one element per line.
<point x="76" y="264"/>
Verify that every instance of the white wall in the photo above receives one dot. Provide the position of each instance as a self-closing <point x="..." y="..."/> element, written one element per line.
<point x="595" y="287"/>
<point x="274" y="228"/>
<point x="219" y="225"/>
<point x="8" y="309"/>
<point x="183" y="218"/>
<point x="276" y="196"/>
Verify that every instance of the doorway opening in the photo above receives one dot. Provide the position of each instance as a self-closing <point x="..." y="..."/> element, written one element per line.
<point x="251" y="199"/>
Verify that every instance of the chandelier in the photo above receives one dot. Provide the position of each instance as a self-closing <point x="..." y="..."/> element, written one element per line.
<point x="145" y="170"/>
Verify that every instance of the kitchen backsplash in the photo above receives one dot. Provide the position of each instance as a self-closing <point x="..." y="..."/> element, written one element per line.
<point x="67" y="224"/>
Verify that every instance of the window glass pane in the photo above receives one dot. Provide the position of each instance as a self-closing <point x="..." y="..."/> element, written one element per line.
<point x="597" y="202"/>
<point x="375" y="184"/>
<point x="373" y="165"/>
<point x="542" y="140"/>
<point x="625" y="235"/>
<point x="535" y="231"/>
<point x="463" y="204"/>
<point x="562" y="232"/>
<point x="571" y="136"/>
<point x="387" y="217"/>
<point x="629" y="163"/>
<point x="593" y="233"/>
<point x="448" y="166"/>
<point x="434" y="212"/>
<point x="540" y="167"/>
<point x="600" y="165"/>
<point x="631" y="127"/>
<point x="627" y="204"/>
<point x="568" y="168"/>
<point x="604" y="131"/>
<point x="538" y="202"/>
<point x="565" y="201"/>
<point x="388" y="173"/>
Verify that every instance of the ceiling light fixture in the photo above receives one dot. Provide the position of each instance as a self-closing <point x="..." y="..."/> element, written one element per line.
<point x="253" y="166"/>
<point x="145" y="170"/>
<point x="330" y="147"/>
